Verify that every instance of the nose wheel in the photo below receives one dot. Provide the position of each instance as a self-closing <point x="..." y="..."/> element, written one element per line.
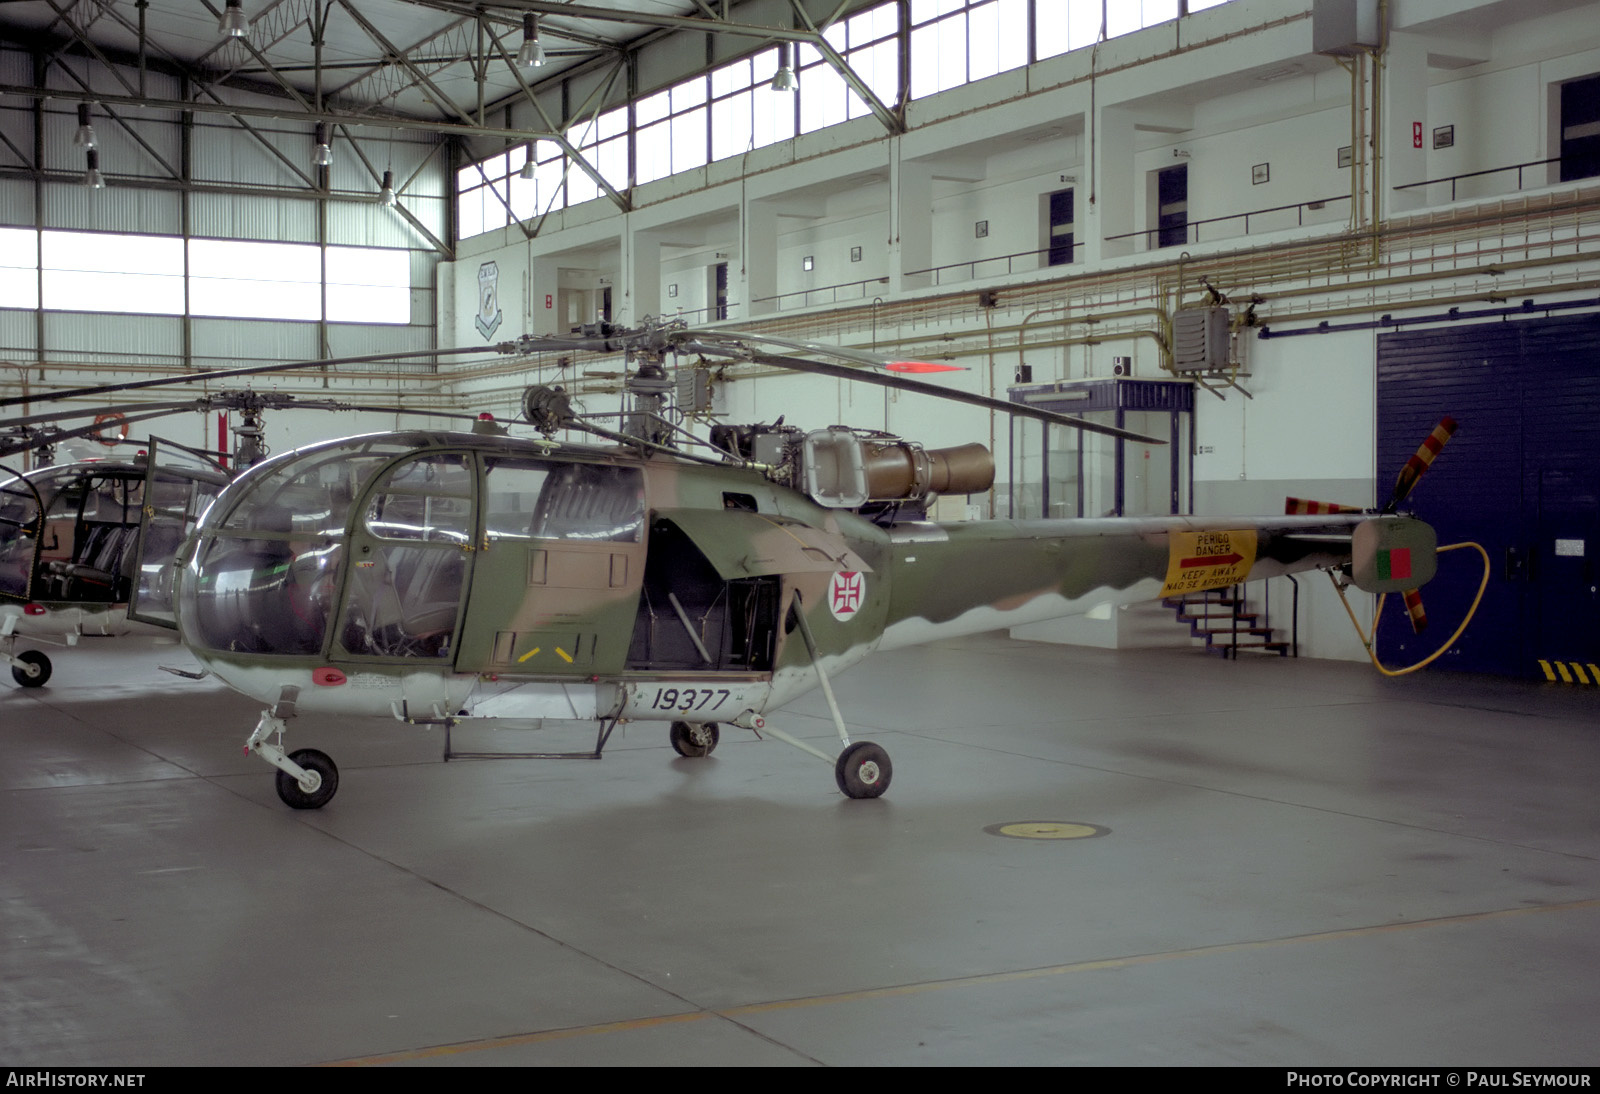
<point x="317" y="788"/>
<point x="30" y="668"/>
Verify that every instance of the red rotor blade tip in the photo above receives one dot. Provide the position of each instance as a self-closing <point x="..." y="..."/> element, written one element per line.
<point x="922" y="366"/>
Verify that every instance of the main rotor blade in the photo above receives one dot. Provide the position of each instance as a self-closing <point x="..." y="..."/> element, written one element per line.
<point x="121" y="408"/>
<point x="68" y="434"/>
<point x="458" y="414"/>
<point x="705" y="339"/>
<point x="800" y="364"/>
<point x="248" y="370"/>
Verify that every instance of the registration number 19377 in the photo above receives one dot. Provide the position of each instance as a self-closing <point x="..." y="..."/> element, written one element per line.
<point x="707" y="703"/>
<point x="686" y="699"/>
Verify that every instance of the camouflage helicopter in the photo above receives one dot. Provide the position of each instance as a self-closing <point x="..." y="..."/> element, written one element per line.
<point x="82" y="540"/>
<point x="435" y="576"/>
<point x="71" y="548"/>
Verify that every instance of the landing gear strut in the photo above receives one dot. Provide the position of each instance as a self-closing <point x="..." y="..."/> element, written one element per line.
<point x="862" y="770"/>
<point x="306" y="780"/>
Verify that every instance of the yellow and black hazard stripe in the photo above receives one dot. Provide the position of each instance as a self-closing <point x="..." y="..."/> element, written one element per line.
<point x="1571" y="672"/>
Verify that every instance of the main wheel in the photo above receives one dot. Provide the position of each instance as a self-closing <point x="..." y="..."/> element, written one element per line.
<point x="297" y="797"/>
<point x="695" y="739"/>
<point x="41" y="667"/>
<point x="863" y="770"/>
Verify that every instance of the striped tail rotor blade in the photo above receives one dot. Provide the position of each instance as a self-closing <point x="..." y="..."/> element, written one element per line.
<point x="1419" y="618"/>
<point x="1416" y="465"/>
<point x="1300" y="507"/>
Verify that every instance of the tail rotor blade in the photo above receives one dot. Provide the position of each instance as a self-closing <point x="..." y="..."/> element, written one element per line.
<point x="1416" y="465"/>
<point x="1419" y="618"/>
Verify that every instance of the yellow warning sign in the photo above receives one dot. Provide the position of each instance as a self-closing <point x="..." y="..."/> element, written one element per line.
<point x="1208" y="560"/>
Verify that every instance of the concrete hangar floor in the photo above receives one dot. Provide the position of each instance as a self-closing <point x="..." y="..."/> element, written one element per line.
<point x="1293" y="863"/>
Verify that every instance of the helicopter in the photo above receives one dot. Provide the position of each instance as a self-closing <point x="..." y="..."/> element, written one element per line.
<point x="77" y="539"/>
<point x="82" y="542"/>
<point x="439" y="576"/>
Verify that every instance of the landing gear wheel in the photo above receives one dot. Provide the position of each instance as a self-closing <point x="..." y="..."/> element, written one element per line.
<point x="41" y="665"/>
<point x="695" y="740"/>
<point x="296" y="796"/>
<point x="863" y="770"/>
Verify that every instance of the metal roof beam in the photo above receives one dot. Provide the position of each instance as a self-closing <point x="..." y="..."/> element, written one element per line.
<point x="334" y="117"/>
<point x="597" y="97"/>
<point x="439" y="97"/>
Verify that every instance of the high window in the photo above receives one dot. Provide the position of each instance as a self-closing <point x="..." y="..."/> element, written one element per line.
<point x="603" y="142"/>
<point x="732" y="109"/>
<point x="226" y="278"/>
<point x="954" y="42"/>
<point x="745" y="112"/>
<point x="870" y="44"/>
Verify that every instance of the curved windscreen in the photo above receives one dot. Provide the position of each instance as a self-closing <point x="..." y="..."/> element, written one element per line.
<point x="263" y="578"/>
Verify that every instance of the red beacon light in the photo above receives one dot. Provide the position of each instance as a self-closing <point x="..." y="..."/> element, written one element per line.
<point x="34" y="609"/>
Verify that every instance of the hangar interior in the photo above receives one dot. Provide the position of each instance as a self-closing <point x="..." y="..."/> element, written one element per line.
<point x="1371" y="213"/>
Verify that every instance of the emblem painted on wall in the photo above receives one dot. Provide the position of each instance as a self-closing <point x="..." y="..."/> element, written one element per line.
<point x="488" y="318"/>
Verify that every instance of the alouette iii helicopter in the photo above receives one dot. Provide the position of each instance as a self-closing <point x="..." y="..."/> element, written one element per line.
<point x="81" y="540"/>
<point x="437" y="576"/>
<point x="71" y="548"/>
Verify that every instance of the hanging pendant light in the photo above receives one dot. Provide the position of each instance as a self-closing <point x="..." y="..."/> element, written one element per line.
<point x="531" y="55"/>
<point x="783" y="79"/>
<point x="92" y="178"/>
<point x="233" y="24"/>
<point x="84" y="137"/>
<point x="323" y="156"/>
<point x="386" y="193"/>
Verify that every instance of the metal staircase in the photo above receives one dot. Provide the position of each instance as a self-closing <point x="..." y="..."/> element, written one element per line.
<point x="1224" y="619"/>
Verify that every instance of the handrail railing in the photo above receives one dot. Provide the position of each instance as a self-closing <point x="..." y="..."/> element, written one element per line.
<point x="971" y="265"/>
<point x="1453" y="179"/>
<point x="1300" y="208"/>
<point x="707" y="314"/>
<point x="809" y="296"/>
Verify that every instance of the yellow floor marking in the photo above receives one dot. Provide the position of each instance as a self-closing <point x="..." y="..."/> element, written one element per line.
<point x="535" y="650"/>
<point x="1562" y="669"/>
<point x="1577" y="668"/>
<point x="1548" y="675"/>
<point x="1594" y="670"/>
<point x="1047" y="830"/>
<point x="565" y="656"/>
<point x="903" y="990"/>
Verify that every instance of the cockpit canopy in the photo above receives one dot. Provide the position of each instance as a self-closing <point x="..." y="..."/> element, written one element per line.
<point x="364" y="546"/>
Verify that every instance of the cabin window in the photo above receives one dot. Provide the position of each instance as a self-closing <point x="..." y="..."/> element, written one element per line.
<point x="404" y="592"/>
<point x="427" y="500"/>
<point x="315" y="488"/>
<point x="598" y="503"/>
<point x="511" y="493"/>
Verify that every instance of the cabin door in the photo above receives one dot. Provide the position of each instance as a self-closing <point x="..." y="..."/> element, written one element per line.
<point x="559" y="569"/>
